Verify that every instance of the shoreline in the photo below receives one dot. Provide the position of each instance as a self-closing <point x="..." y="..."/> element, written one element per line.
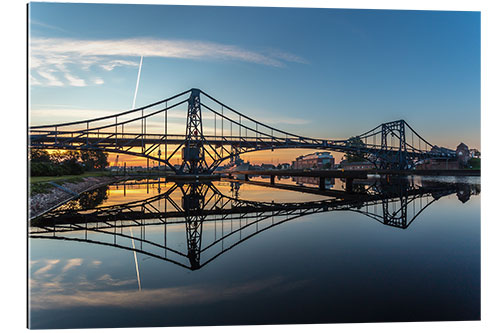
<point x="41" y="203"/>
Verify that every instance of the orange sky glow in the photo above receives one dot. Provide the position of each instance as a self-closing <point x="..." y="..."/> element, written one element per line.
<point x="274" y="157"/>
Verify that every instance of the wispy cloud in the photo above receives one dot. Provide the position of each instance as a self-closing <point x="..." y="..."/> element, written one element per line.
<point x="45" y="25"/>
<point x="109" y="66"/>
<point x="34" y="81"/>
<point x="98" y="80"/>
<point x="50" y="79"/>
<point x="289" y="57"/>
<point x="75" y="81"/>
<point x="56" y="55"/>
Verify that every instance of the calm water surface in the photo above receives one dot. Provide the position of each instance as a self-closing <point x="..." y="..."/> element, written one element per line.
<point x="223" y="253"/>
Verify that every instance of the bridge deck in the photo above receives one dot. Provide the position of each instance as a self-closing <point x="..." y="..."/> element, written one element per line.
<point x="120" y="141"/>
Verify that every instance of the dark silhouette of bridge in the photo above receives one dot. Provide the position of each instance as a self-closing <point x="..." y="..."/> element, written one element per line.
<point x="230" y="220"/>
<point x="216" y="132"/>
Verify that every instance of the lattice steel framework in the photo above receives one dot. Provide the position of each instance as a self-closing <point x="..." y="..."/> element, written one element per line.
<point x="393" y="145"/>
<point x="204" y="203"/>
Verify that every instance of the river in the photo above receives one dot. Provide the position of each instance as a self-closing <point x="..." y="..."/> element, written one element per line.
<point x="156" y="253"/>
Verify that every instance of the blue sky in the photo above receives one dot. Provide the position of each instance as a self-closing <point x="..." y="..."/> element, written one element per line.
<point x="316" y="72"/>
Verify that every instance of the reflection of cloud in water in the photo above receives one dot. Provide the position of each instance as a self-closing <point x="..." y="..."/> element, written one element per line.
<point x="72" y="263"/>
<point x="53" y="281"/>
<point x="109" y="281"/>
<point x="49" y="264"/>
<point x="96" y="262"/>
<point x="130" y="298"/>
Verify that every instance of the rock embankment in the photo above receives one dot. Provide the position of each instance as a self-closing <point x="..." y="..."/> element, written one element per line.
<point x="43" y="202"/>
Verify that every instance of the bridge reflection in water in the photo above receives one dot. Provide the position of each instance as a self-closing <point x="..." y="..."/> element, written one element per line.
<point x="228" y="220"/>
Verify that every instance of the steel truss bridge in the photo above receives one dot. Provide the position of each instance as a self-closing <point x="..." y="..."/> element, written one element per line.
<point x="215" y="132"/>
<point x="215" y="223"/>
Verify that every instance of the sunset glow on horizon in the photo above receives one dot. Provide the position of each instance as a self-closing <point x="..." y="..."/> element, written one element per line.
<point x="342" y="73"/>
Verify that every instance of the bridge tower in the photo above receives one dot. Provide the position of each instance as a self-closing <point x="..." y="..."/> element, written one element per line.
<point x="193" y="153"/>
<point x="395" y="129"/>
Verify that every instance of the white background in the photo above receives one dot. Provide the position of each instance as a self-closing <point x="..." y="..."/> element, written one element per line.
<point x="13" y="129"/>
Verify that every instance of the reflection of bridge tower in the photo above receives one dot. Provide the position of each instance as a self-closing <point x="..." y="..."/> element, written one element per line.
<point x="395" y="212"/>
<point x="193" y="203"/>
<point x="396" y="129"/>
<point x="396" y="217"/>
<point x="193" y="154"/>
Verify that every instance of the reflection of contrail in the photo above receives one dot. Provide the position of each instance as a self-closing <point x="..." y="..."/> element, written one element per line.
<point x="135" y="258"/>
<point x="137" y="84"/>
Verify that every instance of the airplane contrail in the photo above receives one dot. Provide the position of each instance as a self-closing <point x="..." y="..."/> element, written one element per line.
<point x="137" y="83"/>
<point x="131" y="233"/>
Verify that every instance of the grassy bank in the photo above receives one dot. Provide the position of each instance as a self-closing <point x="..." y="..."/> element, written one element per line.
<point x="68" y="178"/>
<point x="42" y="185"/>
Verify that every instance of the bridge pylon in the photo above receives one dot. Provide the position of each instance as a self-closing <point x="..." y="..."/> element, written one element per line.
<point x="193" y="153"/>
<point x="396" y="129"/>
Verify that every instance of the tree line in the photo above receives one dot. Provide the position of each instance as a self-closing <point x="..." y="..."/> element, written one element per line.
<point x="43" y="163"/>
